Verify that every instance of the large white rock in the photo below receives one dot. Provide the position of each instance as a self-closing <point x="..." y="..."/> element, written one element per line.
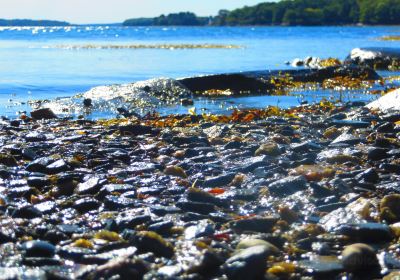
<point x="153" y="90"/>
<point x="388" y="103"/>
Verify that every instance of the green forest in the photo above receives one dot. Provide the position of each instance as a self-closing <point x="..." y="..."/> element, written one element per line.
<point x="29" y="22"/>
<point x="291" y="12"/>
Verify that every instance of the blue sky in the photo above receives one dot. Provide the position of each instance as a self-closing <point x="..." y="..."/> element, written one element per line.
<point x="108" y="11"/>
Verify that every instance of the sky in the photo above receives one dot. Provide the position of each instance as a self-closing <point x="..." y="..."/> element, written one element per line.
<point x="111" y="11"/>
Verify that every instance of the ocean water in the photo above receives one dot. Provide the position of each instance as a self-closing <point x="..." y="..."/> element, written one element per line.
<point x="49" y="62"/>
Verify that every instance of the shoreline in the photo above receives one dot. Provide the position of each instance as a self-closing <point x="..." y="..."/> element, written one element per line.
<point x="162" y="194"/>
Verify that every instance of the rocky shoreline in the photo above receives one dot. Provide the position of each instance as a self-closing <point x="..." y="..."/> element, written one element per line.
<point x="305" y="193"/>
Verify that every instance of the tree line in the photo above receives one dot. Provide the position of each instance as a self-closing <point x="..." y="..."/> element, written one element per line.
<point x="29" y="22"/>
<point x="290" y="12"/>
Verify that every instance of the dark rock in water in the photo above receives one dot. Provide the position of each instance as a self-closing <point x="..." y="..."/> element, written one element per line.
<point x="263" y="224"/>
<point x="5" y="237"/>
<point x="26" y="212"/>
<point x="249" y="164"/>
<point x="249" y="263"/>
<point x="198" y="195"/>
<point x="39" y="165"/>
<point x="197" y="207"/>
<point x="378" y="58"/>
<point x="350" y="123"/>
<point x="38" y="248"/>
<point x="360" y="259"/>
<point x="235" y="82"/>
<point x="148" y="241"/>
<point x="37" y="182"/>
<point x="385" y="127"/>
<point x="135" y="130"/>
<point x="44" y="113"/>
<point x="8" y="160"/>
<point x="377" y="154"/>
<point x="86" y="204"/>
<point x="87" y="102"/>
<point x="219" y="181"/>
<point x="367" y="232"/>
<point x="186" y="102"/>
<point x="131" y="222"/>
<point x="369" y="175"/>
<point x="161" y="227"/>
<point x="322" y="267"/>
<point x="259" y="81"/>
<point x="288" y="185"/>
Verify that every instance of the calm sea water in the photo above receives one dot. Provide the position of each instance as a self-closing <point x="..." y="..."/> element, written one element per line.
<point x="32" y="66"/>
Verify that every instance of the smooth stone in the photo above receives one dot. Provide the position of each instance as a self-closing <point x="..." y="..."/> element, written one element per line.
<point x="38" y="248"/>
<point x="322" y="267"/>
<point x="390" y="208"/>
<point x="148" y="241"/>
<point x="197" y="207"/>
<point x="288" y="185"/>
<point x="249" y="263"/>
<point x="261" y="224"/>
<point x="251" y="242"/>
<point x="269" y="149"/>
<point x="203" y="228"/>
<point x="197" y="195"/>
<point x="163" y="227"/>
<point x="360" y="258"/>
<point x="366" y="232"/>
<point x="219" y="181"/>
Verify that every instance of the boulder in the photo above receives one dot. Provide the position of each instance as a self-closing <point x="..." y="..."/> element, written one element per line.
<point x="377" y="58"/>
<point x="388" y="103"/>
<point x="43" y="113"/>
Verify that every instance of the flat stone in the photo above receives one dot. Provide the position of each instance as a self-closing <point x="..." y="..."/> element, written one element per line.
<point x="367" y="232"/>
<point x="288" y="185"/>
<point x="249" y="263"/>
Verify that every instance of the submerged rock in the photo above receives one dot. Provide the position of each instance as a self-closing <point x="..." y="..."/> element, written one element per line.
<point x="378" y="58"/>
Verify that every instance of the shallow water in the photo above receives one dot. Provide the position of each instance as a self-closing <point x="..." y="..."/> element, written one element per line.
<point x="34" y="66"/>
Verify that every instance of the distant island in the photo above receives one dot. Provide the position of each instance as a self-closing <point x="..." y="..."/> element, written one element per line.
<point x="30" y="22"/>
<point x="289" y="12"/>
